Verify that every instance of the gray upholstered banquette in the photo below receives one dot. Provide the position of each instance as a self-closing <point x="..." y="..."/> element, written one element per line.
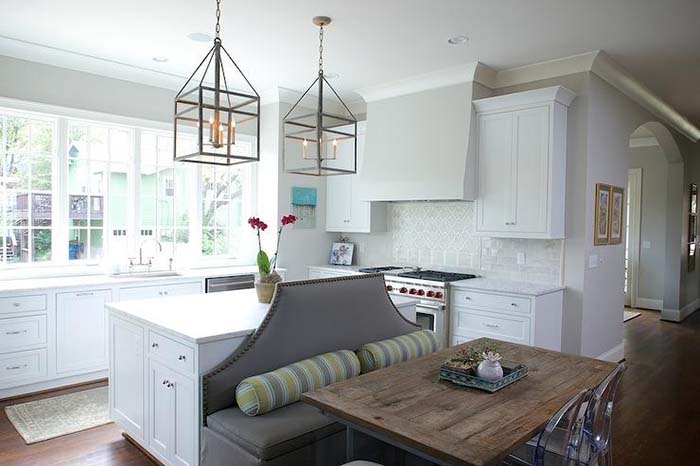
<point x="306" y="318"/>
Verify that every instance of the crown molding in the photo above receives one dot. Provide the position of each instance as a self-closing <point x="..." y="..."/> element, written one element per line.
<point x="545" y="95"/>
<point x="543" y="70"/>
<point x="423" y="82"/>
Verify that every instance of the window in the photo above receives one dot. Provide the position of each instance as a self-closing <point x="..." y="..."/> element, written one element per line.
<point x="226" y="193"/>
<point x="26" y="183"/>
<point x="98" y="161"/>
<point x="75" y="191"/>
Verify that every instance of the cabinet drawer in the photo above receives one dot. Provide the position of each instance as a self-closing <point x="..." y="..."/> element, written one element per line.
<point x="22" y="332"/>
<point x="470" y="298"/>
<point x="175" y="355"/>
<point x="474" y="324"/>
<point x="23" y="303"/>
<point x="21" y="366"/>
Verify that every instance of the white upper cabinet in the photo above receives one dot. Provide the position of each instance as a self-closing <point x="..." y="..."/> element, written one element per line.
<point x="521" y="157"/>
<point x="345" y="211"/>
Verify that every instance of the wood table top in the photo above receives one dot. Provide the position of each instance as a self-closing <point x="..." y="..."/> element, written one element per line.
<point x="408" y="404"/>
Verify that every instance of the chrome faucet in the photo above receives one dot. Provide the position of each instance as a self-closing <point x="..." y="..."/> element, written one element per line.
<point x="150" y="259"/>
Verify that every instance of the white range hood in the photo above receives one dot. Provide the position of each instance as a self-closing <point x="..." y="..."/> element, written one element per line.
<point x="418" y="140"/>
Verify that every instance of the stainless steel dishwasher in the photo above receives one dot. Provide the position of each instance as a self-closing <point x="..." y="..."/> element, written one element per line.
<point x="228" y="283"/>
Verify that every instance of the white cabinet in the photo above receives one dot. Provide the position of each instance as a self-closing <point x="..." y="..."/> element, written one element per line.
<point x="345" y="212"/>
<point x="81" y="330"/>
<point x="127" y="366"/>
<point x="172" y="406"/>
<point x="156" y="291"/>
<point x="524" y="319"/>
<point x="521" y="157"/>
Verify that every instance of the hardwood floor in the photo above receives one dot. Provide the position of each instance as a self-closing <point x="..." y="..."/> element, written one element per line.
<point x="100" y="446"/>
<point x="656" y="418"/>
<point x="656" y="421"/>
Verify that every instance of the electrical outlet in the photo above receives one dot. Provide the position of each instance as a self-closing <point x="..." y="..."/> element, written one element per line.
<point x="594" y="261"/>
<point x="646" y="244"/>
<point x="521" y="258"/>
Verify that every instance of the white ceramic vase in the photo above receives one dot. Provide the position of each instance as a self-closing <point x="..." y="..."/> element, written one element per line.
<point x="489" y="370"/>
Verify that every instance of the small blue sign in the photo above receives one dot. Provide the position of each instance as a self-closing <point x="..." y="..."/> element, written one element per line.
<point x="303" y="196"/>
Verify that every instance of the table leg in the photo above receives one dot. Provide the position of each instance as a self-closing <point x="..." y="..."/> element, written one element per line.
<point x="349" y="443"/>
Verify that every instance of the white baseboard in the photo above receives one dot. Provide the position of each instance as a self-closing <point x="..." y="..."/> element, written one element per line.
<point x="51" y="384"/>
<point x="678" y="315"/>
<point x="648" y="303"/>
<point x="616" y="354"/>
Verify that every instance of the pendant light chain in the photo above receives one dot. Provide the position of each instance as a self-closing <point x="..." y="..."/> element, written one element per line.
<point x="320" y="50"/>
<point x="218" y="18"/>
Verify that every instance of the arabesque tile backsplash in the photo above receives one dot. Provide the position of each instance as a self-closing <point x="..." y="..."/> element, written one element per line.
<point x="441" y="234"/>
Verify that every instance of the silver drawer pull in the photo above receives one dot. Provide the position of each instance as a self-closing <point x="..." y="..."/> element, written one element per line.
<point x="16" y="332"/>
<point x="514" y="304"/>
<point x="166" y="382"/>
<point x="14" y="368"/>
<point x="16" y="304"/>
<point x="181" y="357"/>
<point x="154" y="344"/>
<point x="491" y="325"/>
<point x="165" y="293"/>
<point x="467" y="298"/>
<point x="86" y="293"/>
<point x="170" y="385"/>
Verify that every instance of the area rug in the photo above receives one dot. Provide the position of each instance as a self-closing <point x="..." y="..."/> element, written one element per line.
<point x="629" y="315"/>
<point x="60" y="415"/>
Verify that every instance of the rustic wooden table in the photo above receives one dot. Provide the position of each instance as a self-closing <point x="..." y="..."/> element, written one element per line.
<point x="407" y="406"/>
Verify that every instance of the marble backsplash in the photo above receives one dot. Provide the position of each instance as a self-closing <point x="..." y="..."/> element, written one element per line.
<point x="441" y="234"/>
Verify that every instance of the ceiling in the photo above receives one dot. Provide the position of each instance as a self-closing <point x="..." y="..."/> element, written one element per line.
<point x="369" y="42"/>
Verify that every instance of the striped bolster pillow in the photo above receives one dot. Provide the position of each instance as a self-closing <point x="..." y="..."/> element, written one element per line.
<point x="398" y="349"/>
<point x="263" y="393"/>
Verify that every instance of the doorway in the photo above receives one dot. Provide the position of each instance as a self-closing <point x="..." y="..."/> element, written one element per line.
<point x="633" y="207"/>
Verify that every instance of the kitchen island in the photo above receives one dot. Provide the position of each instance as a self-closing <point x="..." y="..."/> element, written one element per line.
<point x="158" y="351"/>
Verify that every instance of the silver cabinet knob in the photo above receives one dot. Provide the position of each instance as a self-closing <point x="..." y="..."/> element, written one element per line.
<point x="181" y="357"/>
<point x="154" y="344"/>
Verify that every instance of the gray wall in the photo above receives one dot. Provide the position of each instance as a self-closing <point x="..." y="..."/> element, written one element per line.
<point x="654" y="166"/>
<point x="36" y="82"/>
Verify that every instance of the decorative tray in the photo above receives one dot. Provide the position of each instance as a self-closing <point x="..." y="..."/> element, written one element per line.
<point x="512" y="372"/>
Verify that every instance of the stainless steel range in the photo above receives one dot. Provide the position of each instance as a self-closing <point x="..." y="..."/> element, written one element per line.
<point x="429" y="287"/>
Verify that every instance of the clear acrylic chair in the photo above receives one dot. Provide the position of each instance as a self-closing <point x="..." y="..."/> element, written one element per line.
<point x="558" y="443"/>
<point x="597" y="422"/>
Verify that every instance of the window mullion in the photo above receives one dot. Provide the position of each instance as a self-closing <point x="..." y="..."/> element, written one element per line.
<point x="59" y="192"/>
<point x="135" y="192"/>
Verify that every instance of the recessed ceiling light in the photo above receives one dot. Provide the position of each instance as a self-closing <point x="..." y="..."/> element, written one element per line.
<point x="160" y="59"/>
<point x="458" y="40"/>
<point x="331" y="75"/>
<point x="199" y="37"/>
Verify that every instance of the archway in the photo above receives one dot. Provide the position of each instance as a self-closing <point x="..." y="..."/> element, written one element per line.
<point x="655" y="219"/>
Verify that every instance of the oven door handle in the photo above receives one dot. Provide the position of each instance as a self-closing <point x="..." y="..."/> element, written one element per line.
<point x="432" y="307"/>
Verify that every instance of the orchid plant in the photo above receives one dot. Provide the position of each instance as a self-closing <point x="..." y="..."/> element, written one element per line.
<point x="267" y="267"/>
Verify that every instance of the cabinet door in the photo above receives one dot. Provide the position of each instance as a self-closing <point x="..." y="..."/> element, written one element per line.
<point x="531" y="173"/>
<point x="138" y="292"/>
<point x="180" y="289"/>
<point x="159" y="410"/>
<point x="495" y="152"/>
<point x="360" y="211"/>
<point x="338" y="202"/>
<point x="81" y="330"/>
<point x="184" y="427"/>
<point x="127" y="377"/>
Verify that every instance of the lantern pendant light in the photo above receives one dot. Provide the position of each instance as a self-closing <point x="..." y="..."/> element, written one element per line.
<point x="320" y="131"/>
<point x="215" y="107"/>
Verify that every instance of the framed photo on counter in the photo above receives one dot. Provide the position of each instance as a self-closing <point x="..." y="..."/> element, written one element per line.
<point x="341" y="253"/>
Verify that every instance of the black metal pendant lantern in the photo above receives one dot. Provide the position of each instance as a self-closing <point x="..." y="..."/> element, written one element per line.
<point x="210" y="116"/>
<point x="320" y="131"/>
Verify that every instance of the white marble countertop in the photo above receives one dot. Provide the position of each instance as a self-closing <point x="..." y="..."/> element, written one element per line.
<point x="506" y="286"/>
<point x="339" y="268"/>
<point x="204" y="318"/>
<point x="102" y="279"/>
<point x="199" y="318"/>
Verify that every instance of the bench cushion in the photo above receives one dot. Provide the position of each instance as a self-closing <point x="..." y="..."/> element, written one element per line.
<point x="392" y="351"/>
<point x="262" y="393"/>
<point x="276" y="433"/>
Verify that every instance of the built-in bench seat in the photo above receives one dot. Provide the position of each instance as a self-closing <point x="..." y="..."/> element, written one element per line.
<point x="306" y="319"/>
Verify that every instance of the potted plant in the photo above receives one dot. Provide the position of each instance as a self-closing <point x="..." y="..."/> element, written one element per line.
<point x="268" y="276"/>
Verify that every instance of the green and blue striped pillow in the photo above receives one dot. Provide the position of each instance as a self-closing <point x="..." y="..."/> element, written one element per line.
<point x="386" y="353"/>
<point x="265" y="392"/>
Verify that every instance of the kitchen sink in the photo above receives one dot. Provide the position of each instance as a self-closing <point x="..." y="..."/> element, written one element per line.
<point x="154" y="274"/>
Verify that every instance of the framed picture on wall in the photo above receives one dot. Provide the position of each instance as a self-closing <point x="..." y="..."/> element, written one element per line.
<point x="601" y="232"/>
<point x="617" y="210"/>
<point x="692" y="225"/>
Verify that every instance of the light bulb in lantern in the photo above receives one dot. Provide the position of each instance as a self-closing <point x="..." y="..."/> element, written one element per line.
<point x="211" y="129"/>
<point x="335" y="148"/>
<point x="232" y="136"/>
<point x="221" y="134"/>
<point x="304" y="148"/>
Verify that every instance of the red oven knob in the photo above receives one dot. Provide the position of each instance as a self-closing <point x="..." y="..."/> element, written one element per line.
<point x="403" y="289"/>
<point x="412" y="291"/>
<point x="438" y="294"/>
<point x="389" y="288"/>
<point x="421" y="292"/>
<point x="430" y="294"/>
